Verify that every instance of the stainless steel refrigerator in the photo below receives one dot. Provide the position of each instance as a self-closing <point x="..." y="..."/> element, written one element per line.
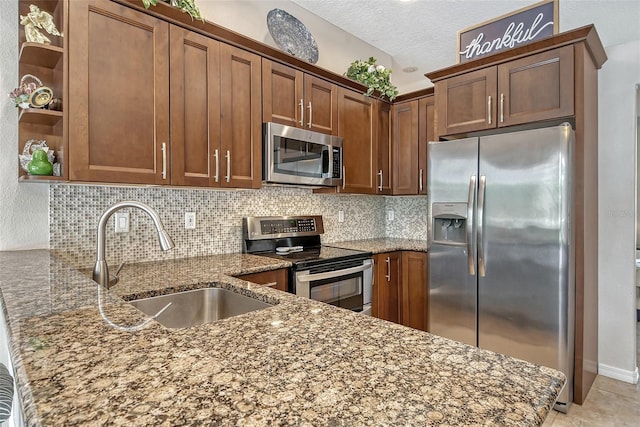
<point x="501" y="268"/>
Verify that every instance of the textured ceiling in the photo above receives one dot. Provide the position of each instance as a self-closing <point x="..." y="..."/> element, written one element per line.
<point x="423" y="33"/>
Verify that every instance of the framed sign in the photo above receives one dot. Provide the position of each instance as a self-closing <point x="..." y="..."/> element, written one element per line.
<point x="517" y="28"/>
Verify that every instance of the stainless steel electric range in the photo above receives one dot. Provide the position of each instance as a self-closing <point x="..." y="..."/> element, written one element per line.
<point x="341" y="277"/>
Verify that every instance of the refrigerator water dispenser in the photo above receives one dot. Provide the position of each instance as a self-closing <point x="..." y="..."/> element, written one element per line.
<point x="449" y="223"/>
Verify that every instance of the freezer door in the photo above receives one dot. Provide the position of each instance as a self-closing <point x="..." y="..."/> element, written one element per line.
<point x="525" y="265"/>
<point x="452" y="173"/>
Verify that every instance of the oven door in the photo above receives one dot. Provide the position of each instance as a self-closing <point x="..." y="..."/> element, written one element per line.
<point x="346" y="284"/>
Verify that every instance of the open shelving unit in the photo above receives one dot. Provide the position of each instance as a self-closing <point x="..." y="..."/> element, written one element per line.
<point x="49" y="64"/>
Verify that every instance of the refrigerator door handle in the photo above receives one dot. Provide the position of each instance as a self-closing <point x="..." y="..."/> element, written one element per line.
<point x="469" y="230"/>
<point x="481" y="190"/>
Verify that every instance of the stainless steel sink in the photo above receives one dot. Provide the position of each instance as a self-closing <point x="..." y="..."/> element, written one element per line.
<point x="190" y="308"/>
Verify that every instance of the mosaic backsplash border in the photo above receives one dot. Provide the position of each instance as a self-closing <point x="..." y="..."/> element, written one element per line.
<point x="74" y="212"/>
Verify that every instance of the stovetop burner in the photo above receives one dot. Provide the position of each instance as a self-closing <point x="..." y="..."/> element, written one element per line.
<point x="317" y="255"/>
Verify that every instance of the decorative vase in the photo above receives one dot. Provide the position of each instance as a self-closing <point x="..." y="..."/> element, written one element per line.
<point x="39" y="164"/>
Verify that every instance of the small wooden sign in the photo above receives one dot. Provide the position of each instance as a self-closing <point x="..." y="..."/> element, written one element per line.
<point x="517" y="28"/>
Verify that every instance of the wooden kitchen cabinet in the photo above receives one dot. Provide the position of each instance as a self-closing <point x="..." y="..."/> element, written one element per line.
<point x="405" y="148"/>
<point x="415" y="289"/>
<point x="426" y="133"/>
<point x="277" y="279"/>
<point x="387" y="290"/>
<point x="534" y="88"/>
<point x="118" y="94"/>
<point x="357" y="126"/>
<point x="123" y="89"/>
<point x="294" y="98"/>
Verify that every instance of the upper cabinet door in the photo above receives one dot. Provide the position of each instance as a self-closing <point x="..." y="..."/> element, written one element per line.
<point x="321" y="103"/>
<point x="119" y="95"/>
<point x="385" y="166"/>
<point x="282" y="94"/>
<point x="538" y="87"/>
<point x="240" y="122"/>
<point x="357" y="126"/>
<point x="466" y="103"/>
<point x="426" y="133"/>
<point x="195" y="110"/>
<point x="405" y="148"/>
<point x="293" y="98"/>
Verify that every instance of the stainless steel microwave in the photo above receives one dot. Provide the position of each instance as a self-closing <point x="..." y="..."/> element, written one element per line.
<point x="299" y="156"/>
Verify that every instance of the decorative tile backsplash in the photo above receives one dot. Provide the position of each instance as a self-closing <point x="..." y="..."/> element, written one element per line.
<point x="74" y="212"/>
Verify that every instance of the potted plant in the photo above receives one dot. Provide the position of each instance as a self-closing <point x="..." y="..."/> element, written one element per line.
<point x="188" y="6"/>
<point x="375" y="77"/>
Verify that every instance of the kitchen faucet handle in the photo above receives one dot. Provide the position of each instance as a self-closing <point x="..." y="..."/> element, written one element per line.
<point x="113" y="280"/>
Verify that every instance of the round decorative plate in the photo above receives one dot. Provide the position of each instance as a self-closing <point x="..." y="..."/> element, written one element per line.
<point x="292" y="36"/>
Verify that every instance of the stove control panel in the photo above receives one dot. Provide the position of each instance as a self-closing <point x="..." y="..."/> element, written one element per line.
<point x="279" y="226"/>
<point x="256" y="228"/>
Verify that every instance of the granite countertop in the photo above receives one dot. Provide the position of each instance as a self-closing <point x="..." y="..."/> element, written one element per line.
<point x="300" y="363"/>
<point x="377" y="246"/>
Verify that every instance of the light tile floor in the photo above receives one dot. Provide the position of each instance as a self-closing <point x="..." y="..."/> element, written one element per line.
<point x="609" y="403"/>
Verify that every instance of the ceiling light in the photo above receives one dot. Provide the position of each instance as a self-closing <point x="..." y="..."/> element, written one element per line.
<point x="411" y="69"/>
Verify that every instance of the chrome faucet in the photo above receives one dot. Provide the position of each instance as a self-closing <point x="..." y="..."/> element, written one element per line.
<point x="100" y="269"/>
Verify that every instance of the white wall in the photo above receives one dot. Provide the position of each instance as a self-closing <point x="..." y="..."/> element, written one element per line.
<point x="616" y="207"/>
<point x="24" y="208"/>
<point x="336" y="48"/>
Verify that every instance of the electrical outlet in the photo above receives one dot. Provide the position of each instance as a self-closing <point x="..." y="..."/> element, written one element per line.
<point x="340" y="216"/>
<point x="390" y="215"/>
<point x="190" y="220"/>
<point x="122" y="222"/>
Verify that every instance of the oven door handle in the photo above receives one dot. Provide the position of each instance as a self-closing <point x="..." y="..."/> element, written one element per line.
<point x="332" y="274"/>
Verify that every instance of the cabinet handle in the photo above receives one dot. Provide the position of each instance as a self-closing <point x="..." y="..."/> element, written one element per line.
<point x="310" y="114"/>
<point x="228" y="176"/>
<point x="380" y="175"/>
<point x="420" y="185"/>
<point x="164" y="160"/>
<point x="216" y="177"/>
<point x="489" y="110"/>
<point x="301" y="113"/>
<point x="344" y="176"/>
<point x="388" y="275"/>
<point x="502" y="108"/>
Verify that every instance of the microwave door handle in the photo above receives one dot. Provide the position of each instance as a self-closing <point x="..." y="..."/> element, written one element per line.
<point x="332" y="274"/>
<point x="326" y="161"/>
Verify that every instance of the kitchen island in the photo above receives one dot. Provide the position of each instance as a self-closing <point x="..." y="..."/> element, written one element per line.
<point x="298" y="363"/>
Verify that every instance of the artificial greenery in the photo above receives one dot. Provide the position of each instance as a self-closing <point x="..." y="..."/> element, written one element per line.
<point x="188" y="6"/>
<point x="375" y="77"/>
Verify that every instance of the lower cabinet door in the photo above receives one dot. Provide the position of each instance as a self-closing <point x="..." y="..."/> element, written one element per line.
<point x="414" y="290"/>
<point x="388" y="286"/>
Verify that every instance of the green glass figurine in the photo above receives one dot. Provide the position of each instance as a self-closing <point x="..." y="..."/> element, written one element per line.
<point x="39" y="164"/>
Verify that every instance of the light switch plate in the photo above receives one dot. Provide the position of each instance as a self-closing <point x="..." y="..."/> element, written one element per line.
<point x="390" y="215"/>
<point x="340" y="216"/>
<point x="122" y="222"/>
<point x="190" y="220"/>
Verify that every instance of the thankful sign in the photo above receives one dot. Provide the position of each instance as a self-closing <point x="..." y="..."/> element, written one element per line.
<point x="515" y="29"/>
